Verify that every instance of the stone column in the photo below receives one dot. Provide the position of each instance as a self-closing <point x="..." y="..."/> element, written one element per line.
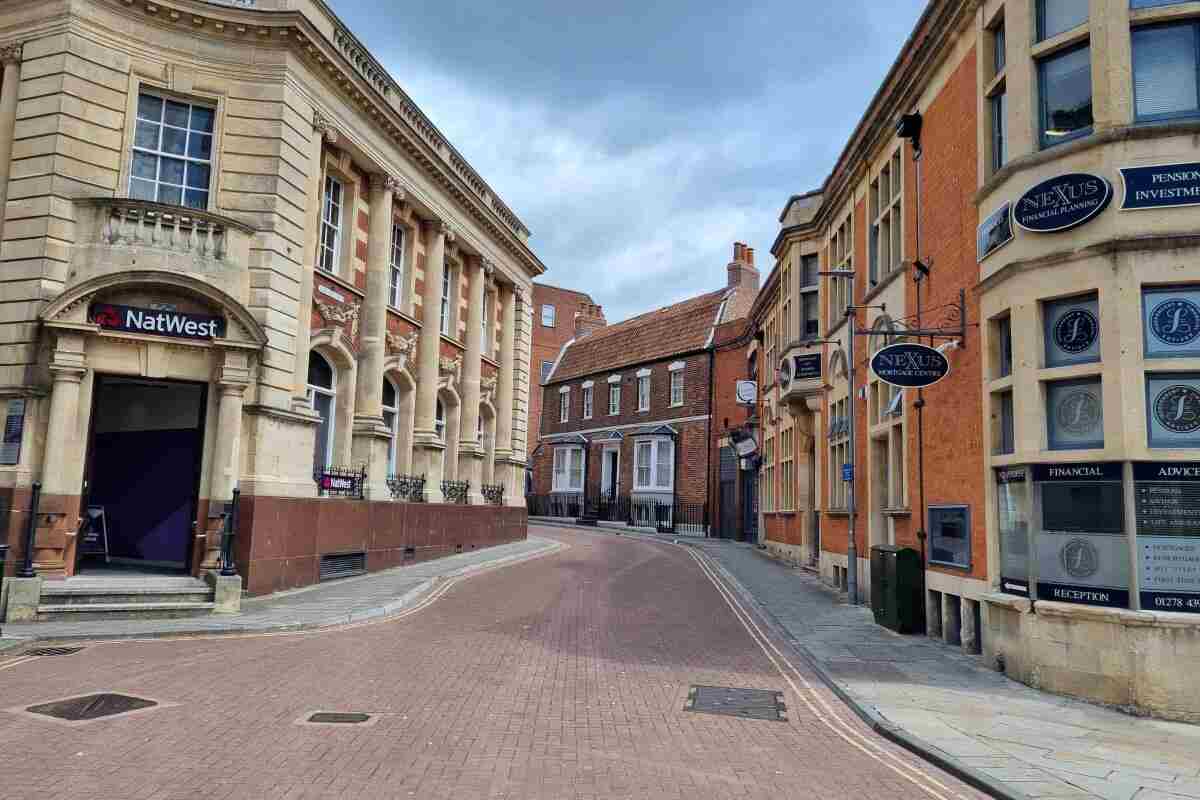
<point x="54" y="547"/>
<point x="370" y="436"/>
<point x="11" y="58"/>
<point x="225" y="464"/>
<point x="504" y="388"/>
<point x="470" y="449"/>
<point x="428" y="447"/>
<point x="323" y="131"/>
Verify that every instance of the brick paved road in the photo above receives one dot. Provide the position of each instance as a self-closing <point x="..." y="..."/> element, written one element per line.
<point x="563" y="677"/>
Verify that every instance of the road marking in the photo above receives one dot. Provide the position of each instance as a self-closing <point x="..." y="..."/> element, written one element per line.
<point x="17" y="661"/>
<point x="832" y="720"/>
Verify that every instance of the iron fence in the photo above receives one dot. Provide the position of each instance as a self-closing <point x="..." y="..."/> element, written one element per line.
<point x="407" y="488"/>
<point x="341" y="481"/>
<point x="493" y="493"/>
<point x="678" y="518"/>
<point x="554" y="505"/>
<point x="456" y="491"/>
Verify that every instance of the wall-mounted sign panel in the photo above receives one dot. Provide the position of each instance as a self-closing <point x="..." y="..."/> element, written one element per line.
<point x="1072" y="331"/>
<point x="1062" y="203"/>
<point x="1173" y="409"/>
<point x="14" y="431"/>
<point x="1171" y="322"/>
<point x="995" y="232"/>
<point x="1167" y="495"/>
<point x="807" y="367"/>
<point x="158" y="322"/>
<point x="1160" y="186"/>
<point x="1012" y="517"/>
<point x="747" y="393"/>
<point x="909" y="366"/>
<point x="1075" y="414"/>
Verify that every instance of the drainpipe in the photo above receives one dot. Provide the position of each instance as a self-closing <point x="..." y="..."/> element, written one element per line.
<point x="708" y="478"/>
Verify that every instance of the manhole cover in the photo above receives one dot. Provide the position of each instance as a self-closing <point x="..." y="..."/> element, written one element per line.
<point x="336" y="718"/>
<point x="91" y="706"/>
<point x="53" y="651"/>
<point x="745" y="703"/>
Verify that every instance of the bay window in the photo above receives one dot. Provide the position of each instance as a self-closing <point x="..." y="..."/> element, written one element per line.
<point x="568" y="469"/>
<point x="654" y="465"/>
<point x="1065" y="81"/>
<point x="1165" y="63"/>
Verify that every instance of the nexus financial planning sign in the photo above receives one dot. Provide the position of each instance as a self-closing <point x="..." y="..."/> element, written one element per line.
<point x="910" y="366"/>
<point x="1062" y="203"/>
<point x="156" y="321"/>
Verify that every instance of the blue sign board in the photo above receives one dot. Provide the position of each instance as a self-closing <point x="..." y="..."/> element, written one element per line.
<point x="909" y="366"/>
<point x="1161" y="186"/>
<point x="847" y="472"/>
<point x="1061" y="203"/>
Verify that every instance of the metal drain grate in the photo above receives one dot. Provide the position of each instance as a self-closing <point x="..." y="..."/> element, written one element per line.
<point x="91" y="706"/>
<point x="746" y="703"/>
<point x="43" y="652"/>
<point x="338" y="718"/>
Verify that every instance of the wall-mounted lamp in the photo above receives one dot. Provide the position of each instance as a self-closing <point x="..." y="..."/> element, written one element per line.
<point x="909" y="127"/>
<point x="920" y="270"/>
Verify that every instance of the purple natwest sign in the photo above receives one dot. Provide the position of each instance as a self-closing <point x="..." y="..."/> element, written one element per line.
<point x="156" y="321"/>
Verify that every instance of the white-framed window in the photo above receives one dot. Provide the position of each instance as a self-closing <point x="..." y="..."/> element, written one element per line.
<point x="447" y="307"/>
<point x="546" y="367"/>
<point x="787" y="484"/>
<point x="329" y="248"/>
<point x="587" y="402"/>
<point x="568" y="469"/>
<point x="439" y="422"/>
<point x="172" y="152"/>
<point x="322" y="393"/>
<point x="643" y="392"/>
<point x="614" y="399"/>
<point x="677" y="385"/>
<point x="887" y="226"/>
<point x="654" y="465"/>
<point x="549" y="316"/>
<point x="768" y="473"/>
<point x="396" y="293"/>
<point x="391" y="414"/>
<point x="841" y="258"/>
<point x="564" y="405"/>
<point x="486" y="322"/>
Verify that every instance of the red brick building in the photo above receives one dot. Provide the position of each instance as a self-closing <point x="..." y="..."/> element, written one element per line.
<point x="627" y="411"/>
<point x="559" y="315"/>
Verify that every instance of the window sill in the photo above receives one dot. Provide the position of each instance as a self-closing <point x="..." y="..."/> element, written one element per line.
<point x="897" y="512"/>
<point x="947" y="565"/>
<point x="1061" y="41"/>
<point x="451" y="340"/>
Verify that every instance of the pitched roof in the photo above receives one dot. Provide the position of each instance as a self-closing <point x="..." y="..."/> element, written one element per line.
<point x="680" y="328"/>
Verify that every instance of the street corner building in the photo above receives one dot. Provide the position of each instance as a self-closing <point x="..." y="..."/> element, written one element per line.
<point x="1020" y="197"/>
<point x="240" y="261"/>
<point x="627" y="412"/>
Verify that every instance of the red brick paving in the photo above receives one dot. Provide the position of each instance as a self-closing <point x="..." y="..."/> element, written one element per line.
<point x="564" y="677"/>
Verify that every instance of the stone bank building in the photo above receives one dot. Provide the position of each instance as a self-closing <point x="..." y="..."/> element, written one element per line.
<point x="1024" y="186"/>
<point x="236" y="254"/>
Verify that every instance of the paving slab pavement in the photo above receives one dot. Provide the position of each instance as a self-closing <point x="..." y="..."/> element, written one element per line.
<point x="1042" y="745"/>
<point x="342" y="602"/>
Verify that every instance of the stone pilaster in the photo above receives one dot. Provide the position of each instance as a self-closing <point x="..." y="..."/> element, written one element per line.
<point x="428" y="447"/>
<point x="470" y="449"/>
<point x="10" y="56"/>
<point x="226" y="449"/>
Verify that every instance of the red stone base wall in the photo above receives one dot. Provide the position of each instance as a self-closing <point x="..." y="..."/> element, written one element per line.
<point x="281" y="540"/>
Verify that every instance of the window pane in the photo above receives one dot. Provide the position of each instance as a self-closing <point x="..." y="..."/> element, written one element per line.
<point x="174" y="141"/>
<point x="665" y="453"/>
<point x="546" y="367"/>
<point x="149" y="107"/>
<point x="146" y="135"/>
<point x="950" y="536"/>
<point x="999" y="131"/>
<point x="389" y="394"/>
<point x="200" y="146"/>
<point x="1083" y="507"/>
<point x="1007" y="431"/>
<point x="998" y="54"/>
<point x="1066" y="96"/>
<point x="323" y="405"/>
<point x="1072" y="331"/>
<point x="171" y="195"/>
<point x="202" y="119"/>
<point x="197" y="176"/>
<point x="1154" y="3"/>
<point x="195" y="198"/>
<point x="1056" y="16"/>
<point x="171" y="171"/>
<point x="177" y="114"/>
<point x="141" y="190"/>
<point x="809" y="268"/>
<point x="1075" y="415"/>
<point x="1164" y="71"/>
<point x="145" y="166"/>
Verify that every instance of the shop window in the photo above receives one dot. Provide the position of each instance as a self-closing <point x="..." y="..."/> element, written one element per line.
<point x="564" y="405"/>
<point x="322" y="393"/>
<point x="547" y="366"/>
<point x="1072" y="331"/>
<point x="950" y="536"/>
<point x="1083" y="507"/>
<point x="391" y="416"/>
<point x="587" y="402"/>
<point x="1173" y="410"/>
<point x="1012" y="523"/>
<point x="1075" y="414"/>
<point x="329" y="249"/>
<point x="568" y="469"/>
<point x="1058" y="16"/>
<point x="549" y="315"/>
<point x="654" y="465"/>
<point x="172" y="152"/>
<point x="1066" y="95"/>
<point x="1171" y="322"/>
<point x="396" y="267"/>
<point x="1165" y="63"/>
<point x="643" y="390"/>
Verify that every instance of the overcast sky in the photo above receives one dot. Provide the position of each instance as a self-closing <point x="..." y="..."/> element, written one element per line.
<point x="639" y="140"/>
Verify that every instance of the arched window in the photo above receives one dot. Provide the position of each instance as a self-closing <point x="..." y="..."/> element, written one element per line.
<point x="321" y="392"/>
<point x="440" y="422"/>
<point x="391" y="416"/>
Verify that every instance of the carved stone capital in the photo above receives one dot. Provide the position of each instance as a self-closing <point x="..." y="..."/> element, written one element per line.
<point x="323" y="125"/>
<point x="489" y="269"/>
<point x="388" y="183"/>
<point x="11" y="53"/>
<point x="335" y="314"/>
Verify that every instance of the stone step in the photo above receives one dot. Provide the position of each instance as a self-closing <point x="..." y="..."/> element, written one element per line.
<point x="82" y="612"/>
<point x="127" y="597"/>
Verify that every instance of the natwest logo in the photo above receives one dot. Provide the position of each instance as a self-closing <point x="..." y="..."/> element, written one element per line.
<point x="158" y="322"/>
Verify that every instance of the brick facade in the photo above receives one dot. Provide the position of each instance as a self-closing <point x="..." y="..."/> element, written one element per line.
<point x="549" y="340"/>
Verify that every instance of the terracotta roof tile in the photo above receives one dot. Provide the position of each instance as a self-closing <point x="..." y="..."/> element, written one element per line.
<point x="680" y="328"/>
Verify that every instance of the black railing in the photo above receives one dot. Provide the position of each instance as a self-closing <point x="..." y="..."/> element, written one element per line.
<point x="663" y="516"/>
<point x="27" y="570"/>
<point x="341" y="481"/>
<point x="554" y="505"/>
<point x="228" y="565"/>
<point x="493" y="493"/>
<point x="456" y="491"/>
<point x="407" y="488"/>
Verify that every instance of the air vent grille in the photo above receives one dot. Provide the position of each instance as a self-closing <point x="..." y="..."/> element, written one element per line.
<point x="343" y="565"/>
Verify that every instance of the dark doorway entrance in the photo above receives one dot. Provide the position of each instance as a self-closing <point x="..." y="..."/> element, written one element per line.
<point x="144" y="460"/>
<point x="750" y="506"/>
<point x="730" y="527"/>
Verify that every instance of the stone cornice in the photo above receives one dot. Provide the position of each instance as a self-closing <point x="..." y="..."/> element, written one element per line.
<point x="348" y="65"/>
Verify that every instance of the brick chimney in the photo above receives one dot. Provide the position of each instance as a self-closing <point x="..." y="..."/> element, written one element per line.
<point x="588" y="318"/>
<point x="741" y="270"/>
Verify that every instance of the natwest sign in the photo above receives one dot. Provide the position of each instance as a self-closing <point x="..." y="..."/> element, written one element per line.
<point x="159" y="322"/>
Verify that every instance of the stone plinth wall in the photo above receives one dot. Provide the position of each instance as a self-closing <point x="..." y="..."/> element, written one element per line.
<point x="1142" y="661"/>
<point x="281" y="540"/>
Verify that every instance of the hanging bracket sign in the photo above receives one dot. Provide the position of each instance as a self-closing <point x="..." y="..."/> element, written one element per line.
<point x="910" y="366"/>
<point x="1062" y="203"/>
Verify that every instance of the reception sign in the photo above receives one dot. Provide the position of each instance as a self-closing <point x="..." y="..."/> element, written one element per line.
<point x="1168" y="535"/>
<point x="159" y="322"/>
<point x="1062" y="203"/>
<point x="1161" y="186"/>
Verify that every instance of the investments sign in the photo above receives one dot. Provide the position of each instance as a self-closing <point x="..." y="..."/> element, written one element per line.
<point x="1161" y="187"/>
<point x="909" y="366"/>
<point x="1061" y="203"/>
